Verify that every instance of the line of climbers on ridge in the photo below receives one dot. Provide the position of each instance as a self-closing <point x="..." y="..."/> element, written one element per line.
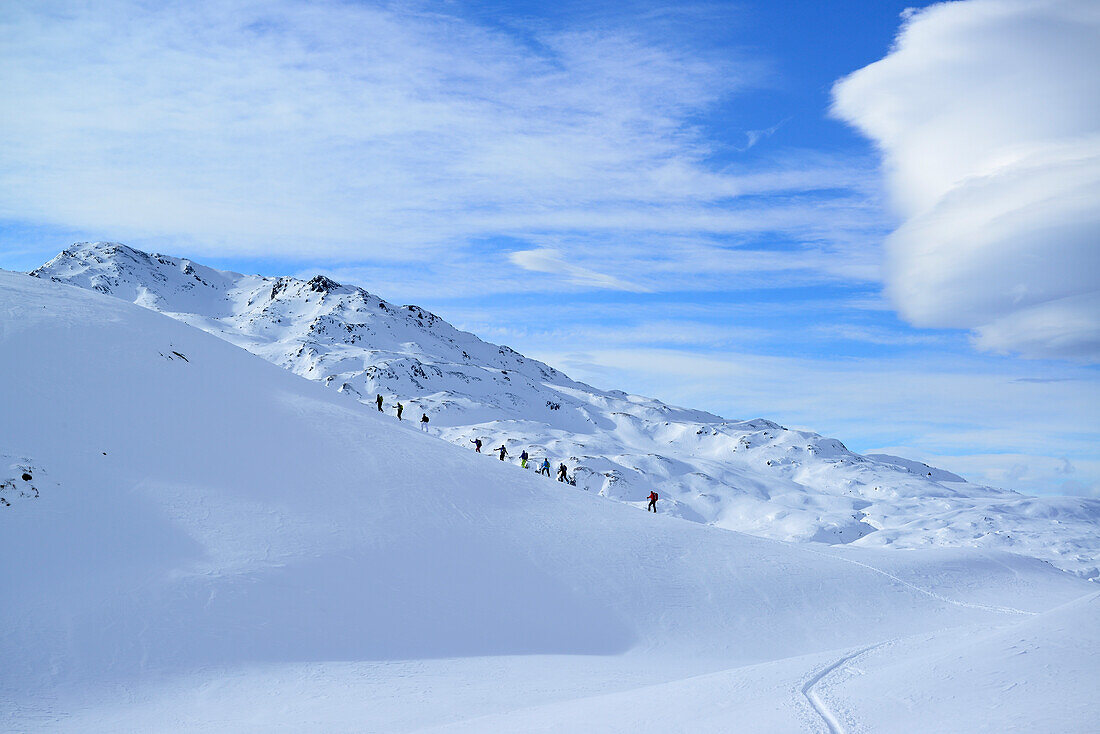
<point x="400" y="410"/>
<point x="524" y="457"/>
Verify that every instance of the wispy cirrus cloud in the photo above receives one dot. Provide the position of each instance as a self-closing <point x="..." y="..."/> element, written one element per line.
<point x="331" y="122"/>
<point x="752" y="137"/>
<point x="547" y="260"/>
<point x="358" y="132"/>
<point x="875" y="335"/>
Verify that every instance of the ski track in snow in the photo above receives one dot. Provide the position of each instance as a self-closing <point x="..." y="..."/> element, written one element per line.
<point x="809" y="690"/>
<point x="934" y="595"/>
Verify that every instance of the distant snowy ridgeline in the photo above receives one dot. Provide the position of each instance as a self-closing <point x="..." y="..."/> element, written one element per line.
<point x="752" y="476"/>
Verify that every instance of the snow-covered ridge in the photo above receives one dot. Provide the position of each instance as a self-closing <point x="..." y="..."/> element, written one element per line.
<point x="754" y="476"/>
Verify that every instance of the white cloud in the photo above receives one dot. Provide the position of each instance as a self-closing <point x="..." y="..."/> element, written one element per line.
<point x="546" y="260"/>
<point x="987" y="113"/>
<point x="1062" y="328"/>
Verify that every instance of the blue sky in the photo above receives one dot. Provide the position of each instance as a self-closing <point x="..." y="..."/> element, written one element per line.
<point x="678" y="200"/>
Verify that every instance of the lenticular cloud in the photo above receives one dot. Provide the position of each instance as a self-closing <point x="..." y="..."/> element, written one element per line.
<point x="987" y="113"/>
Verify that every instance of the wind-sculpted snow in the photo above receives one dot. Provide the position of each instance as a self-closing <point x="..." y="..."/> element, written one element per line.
<point x="754" y="476"/>
<point x="221" y="546"/>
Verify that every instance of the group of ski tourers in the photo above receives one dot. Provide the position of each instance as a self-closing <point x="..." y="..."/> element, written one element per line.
<point x="524" y="457"/>
<point x="400" y="410"/>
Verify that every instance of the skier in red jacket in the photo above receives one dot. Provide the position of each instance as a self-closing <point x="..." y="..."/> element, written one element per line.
<point x="652" y="502"/>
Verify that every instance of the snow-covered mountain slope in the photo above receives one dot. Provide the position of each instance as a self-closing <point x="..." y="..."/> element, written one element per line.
<point x="754" y="476"/>
<point x="217" y="545"/>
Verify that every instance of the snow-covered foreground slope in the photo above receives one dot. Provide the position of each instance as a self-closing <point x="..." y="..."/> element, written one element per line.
<point x="214" y="544"/>
<point x="753" y="476"/>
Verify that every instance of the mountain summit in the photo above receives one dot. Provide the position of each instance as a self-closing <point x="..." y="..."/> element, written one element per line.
<point x="754" y="476"/>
